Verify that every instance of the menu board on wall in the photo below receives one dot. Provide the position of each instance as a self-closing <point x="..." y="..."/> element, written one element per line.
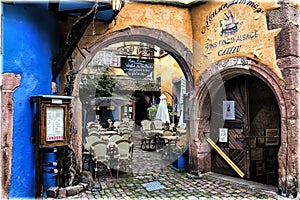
<point x="55" y="124"/>
<point x="137" y="68"/>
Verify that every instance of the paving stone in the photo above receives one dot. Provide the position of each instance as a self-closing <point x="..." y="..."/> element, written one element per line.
<point x="178" y="185"/>
<point x="52" y="191"/>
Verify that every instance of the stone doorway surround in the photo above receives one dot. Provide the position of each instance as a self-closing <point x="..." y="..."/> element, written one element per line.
<point x="200" y="157"/>
<point x="8" y="83"/>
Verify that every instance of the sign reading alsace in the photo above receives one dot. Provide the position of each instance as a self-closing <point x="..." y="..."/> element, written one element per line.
<point x="237" y="28"/>
<point x="137" y="68"/>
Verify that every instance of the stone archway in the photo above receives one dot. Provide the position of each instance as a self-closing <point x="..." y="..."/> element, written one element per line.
<point x="176" y="49"/>
<point x="211" y="81"/>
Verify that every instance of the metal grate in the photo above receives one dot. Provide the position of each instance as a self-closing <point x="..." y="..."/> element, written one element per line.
<point x="154" y="185"/>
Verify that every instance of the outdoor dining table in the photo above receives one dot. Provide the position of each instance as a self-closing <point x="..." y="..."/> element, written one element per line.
<point x="167" y="151"/>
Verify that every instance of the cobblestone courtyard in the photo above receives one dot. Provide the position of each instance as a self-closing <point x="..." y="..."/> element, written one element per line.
<point x="149" y="168"/>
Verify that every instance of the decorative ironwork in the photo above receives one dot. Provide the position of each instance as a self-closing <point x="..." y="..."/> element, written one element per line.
<point x="141" y="50"/>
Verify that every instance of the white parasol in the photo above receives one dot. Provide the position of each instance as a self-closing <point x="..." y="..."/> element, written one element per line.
<point x="162" y="111"/>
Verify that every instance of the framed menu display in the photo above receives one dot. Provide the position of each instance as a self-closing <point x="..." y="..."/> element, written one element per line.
<point x="53" y="115"/>
<point x="55" y="123"/>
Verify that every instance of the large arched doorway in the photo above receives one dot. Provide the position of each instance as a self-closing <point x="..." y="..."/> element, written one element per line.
<point x="256" y="132"/>
<point x="253" y="136"/>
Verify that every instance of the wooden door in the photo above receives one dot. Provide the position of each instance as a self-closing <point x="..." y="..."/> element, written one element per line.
<point x="236" y="148"/>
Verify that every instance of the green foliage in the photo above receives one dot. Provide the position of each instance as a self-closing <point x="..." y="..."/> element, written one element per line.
<point x="106" y="85"/>
<point x="152" y="112"/>
<point x="102" y="85"/>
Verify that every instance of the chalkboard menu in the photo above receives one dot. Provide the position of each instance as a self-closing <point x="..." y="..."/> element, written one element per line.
<point x="137" y="68"/>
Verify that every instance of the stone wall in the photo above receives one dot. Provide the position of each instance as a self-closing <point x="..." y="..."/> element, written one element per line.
<point x="8" y="83"/>
<point x="287" y="51"/>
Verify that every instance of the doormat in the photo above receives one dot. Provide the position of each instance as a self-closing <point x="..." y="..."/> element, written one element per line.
<point x="154" y="185"/>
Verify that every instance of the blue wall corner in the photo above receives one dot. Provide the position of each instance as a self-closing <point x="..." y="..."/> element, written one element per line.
<point x="30" y="41"/>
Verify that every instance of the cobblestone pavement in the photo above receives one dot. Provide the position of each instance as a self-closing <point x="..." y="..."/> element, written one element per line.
<point x="148" y="167"/>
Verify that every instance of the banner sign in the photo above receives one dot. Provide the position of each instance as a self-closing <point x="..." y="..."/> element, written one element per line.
<point x="137" y="68"/>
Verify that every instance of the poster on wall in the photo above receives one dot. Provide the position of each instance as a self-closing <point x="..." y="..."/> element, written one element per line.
<point x="223" y="135"/>
<point x="228" y="110"/>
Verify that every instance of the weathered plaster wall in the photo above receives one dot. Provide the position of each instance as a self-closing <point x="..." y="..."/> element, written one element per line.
<point x="174" y="20"/>
<point x="168" y="69"/>
<point x="29" y="43"/>
<point x="250" y="39"/>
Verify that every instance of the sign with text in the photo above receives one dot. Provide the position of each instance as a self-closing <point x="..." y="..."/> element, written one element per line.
<point x="234" y="28"/>
<point x="228" y="110"/>
<point x="223" y="135"/>
<point x="55" y="123"/>
<point x="137" y="68"/>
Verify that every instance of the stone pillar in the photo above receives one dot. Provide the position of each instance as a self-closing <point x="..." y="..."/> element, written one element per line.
<point x="77" y="135"/>
<point x="287" y="51"/>
<point x="199" y="158"/>
<point x="8" y="83"/>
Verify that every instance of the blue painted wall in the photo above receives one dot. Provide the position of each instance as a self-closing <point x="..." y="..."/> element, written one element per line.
<point x="30" y="41"/>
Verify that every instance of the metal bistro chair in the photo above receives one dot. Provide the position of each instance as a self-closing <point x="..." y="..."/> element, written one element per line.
<point x="123" y="128"/>
<point x="87" y="157"/>
<point x="158" y="124"/>
<point x="99" y="153"/>
<point x="114" y="138"/>
<point x="166" y="144"/>
<point x="148" y="136"/>
<point x="117" y="123"/>
<point x="124" y="156"/>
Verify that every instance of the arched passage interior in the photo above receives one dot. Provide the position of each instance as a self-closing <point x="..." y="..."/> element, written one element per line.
<point x="154" y="37"/>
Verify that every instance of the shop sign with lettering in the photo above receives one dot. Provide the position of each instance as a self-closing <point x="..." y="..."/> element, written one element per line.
<point x="137" y="68"/>
<point x="235" y="28"/>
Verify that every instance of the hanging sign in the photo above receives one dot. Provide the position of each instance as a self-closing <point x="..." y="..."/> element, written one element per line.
<point x="137" y="68"/>
<point x="228" y="110"/>
<point x="223" y="135"/>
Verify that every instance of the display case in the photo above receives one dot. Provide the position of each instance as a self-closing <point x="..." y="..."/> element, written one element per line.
<point x="52" y="120"/>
